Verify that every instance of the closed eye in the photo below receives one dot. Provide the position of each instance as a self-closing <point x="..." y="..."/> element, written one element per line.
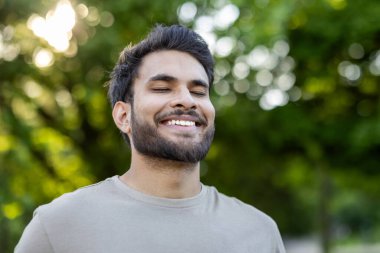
<point x="199" y="93"/>
<point x="160" y="90"/>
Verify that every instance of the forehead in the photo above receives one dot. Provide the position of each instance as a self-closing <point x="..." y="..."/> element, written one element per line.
<point x="171" y="62"/>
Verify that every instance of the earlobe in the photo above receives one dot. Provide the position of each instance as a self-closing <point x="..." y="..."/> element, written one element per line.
<point x="121" y="116"/>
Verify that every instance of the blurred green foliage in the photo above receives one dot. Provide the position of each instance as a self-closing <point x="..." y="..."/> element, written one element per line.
<point x="297" y="94"/>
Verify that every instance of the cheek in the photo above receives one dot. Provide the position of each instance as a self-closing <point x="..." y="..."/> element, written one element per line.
<point x="209" y="111"/>
<point x="148" y="108"/>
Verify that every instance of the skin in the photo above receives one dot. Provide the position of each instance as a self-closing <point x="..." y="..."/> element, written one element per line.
<point x="167" y="80"/>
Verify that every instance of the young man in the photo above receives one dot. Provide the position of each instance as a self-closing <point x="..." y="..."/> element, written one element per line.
<point x="159" y="91"/>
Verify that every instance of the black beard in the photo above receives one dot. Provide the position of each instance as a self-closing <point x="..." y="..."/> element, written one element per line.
<point x="147" y="141"/>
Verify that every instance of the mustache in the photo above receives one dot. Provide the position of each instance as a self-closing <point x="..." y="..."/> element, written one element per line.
<point x="178" y="112"/>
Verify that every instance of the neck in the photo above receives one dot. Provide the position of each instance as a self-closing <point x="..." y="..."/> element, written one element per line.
<point x="163" y="178"/>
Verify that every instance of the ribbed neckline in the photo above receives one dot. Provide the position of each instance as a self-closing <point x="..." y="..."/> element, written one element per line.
<point x="158" y="201"/>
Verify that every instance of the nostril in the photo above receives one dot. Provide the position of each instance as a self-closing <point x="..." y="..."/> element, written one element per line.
<point x="184" y="103"/>
<point x="185" y="106"/>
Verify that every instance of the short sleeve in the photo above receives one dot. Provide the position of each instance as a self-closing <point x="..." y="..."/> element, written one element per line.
<point x="279" y="243"/>
<point x="34" y="238"/>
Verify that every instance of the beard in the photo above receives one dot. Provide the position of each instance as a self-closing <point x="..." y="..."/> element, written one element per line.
<point x="149" y="142"/>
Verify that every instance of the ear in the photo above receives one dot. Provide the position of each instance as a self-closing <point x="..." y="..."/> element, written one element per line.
<point x="121" y="114"/>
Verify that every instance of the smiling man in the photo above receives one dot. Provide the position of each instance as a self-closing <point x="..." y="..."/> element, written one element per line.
<point x="159" y="91"/>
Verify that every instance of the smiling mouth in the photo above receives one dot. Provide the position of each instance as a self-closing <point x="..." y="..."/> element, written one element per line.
<point x="184" y="123"/>
<point x="181" y="118"/>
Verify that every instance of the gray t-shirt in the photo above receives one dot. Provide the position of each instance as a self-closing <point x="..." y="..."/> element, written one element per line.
<point x="111" y="217"/>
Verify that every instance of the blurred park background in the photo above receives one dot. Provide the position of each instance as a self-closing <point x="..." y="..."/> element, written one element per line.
<point x="297" y="93"/>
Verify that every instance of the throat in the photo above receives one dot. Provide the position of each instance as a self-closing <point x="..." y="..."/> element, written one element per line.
<point x="163" y="178"/>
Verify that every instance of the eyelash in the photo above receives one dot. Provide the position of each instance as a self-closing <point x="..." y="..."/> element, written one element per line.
<point x="164" y="90"/>
<point x="199" y="93"/>
<point x="161" y="90"/>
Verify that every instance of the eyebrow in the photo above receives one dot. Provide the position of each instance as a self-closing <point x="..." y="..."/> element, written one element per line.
<point x="168" y="78"/>
<point x="163" y="77"/>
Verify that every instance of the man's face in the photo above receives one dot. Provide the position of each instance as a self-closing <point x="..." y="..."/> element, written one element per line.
<point x="172" y="115"/>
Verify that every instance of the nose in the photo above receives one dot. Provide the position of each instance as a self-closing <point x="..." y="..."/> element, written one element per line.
<point x="183" y="99"/>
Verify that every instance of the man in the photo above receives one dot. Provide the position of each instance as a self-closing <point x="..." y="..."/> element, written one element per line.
<point x="159" y="91"/>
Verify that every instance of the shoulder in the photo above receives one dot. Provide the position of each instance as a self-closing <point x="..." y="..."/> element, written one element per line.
<point x="79" y="199"/>
<point x="240" y="211"/>
<point x="242" y="220"/>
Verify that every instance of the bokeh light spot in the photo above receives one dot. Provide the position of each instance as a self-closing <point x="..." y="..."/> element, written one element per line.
<point x="63" y="98"/>
<point x="241" y="86"/>
<point x="224" y="46"/>
<point x="240" y="70"/>
<point x="374" y="66"/>
<point x="56" y="27"/>
<point x="350" y="71"/>
<point x="281" y="48"/>
<point x="295" y="94"/>
<point x="264" y="77"/>
<point x="187" y="12"/>
<point x="222" y="88"/>
<point x="286" y="81"/>
<point x="204" y="24"/>
<point x="226" y="16"/>
<point x="43" y="58"/>
<point x="5" y="143"/>
<point x="106" y="19"/>
<point x="337" y="4"/>
<point x="12" y="210"/>
<point x="93" y="17"/>
<point x="82" y="10"/>
<point x="356" y="51"/>
<point x="32" y="89"/>
<point x="258" y="56"/>
<point x="222" y="68"/>
<point x="273" y="98"/>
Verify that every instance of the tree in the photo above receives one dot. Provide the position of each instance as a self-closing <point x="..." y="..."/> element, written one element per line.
<point x="296" y="92"/>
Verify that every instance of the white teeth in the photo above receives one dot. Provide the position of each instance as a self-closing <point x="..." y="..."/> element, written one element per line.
<point x="181" y="123"/>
